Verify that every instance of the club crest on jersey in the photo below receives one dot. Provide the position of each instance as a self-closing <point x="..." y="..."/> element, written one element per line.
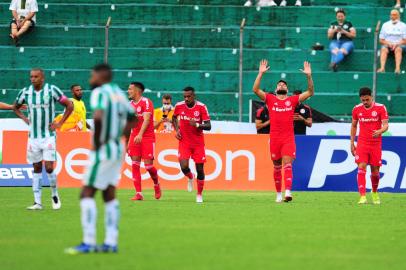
<point x="374" y="113"/>
<point x="138" y="109"/>
<point x="288" y="103"/>
<point x="302" y="111"/>
<point x="196" y="113"/>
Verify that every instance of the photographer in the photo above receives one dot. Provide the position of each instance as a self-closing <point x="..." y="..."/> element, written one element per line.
<point x="341" y="33"/>
<point x="163" y="116"/>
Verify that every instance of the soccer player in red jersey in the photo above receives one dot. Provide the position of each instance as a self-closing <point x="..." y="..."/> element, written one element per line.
<point x="281" y="113"/>
<point x="142" y="140"/>
<point x="190" y="118"/>
<point x="373" y="122"/>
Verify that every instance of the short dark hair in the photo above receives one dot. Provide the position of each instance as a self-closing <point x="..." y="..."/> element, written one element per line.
<point x="105" y="68"/>
<point x="38" y="69"/>
<point x="167" y="96"/>
<point x="139" y="85"/>
<point x="365" y="91"/>
<point x="297" y="92"/>
<point x="340" y="10"/>
<point x="189" y="88"/>
<point x="282" y="81"/>
<point x="73" y="86"/>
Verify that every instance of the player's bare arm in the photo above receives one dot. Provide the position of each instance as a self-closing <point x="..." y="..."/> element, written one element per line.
<point x="206" y="125"/>
<point x="176" y="126"/>
<point x="147" y="117"/>
<point x="98" y="122"/>
<point x="17" y="110"/>
<point x="307" y="70"/>
<point x="354" y="125"/>
<point x="307" y="121"/>
<point x="263" y="67"/>
<point x="379" y="132"/>
<point x="68" y="110"/>
<point x="259" y="124"/>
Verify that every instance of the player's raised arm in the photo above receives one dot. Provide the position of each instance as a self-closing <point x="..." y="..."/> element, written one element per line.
<point x="263" y="67"/>
<point x="307" y="70"/>
<point x="354" y="125"/>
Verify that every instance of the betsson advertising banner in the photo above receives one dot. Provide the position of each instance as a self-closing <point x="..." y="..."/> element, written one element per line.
<point x="234" y="162"/>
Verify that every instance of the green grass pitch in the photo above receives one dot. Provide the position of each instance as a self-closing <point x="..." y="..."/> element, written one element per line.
<point x="231" y="230"/>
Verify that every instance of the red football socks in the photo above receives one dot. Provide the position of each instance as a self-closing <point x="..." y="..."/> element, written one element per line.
<point x="200" y="185"/>
<point x="136" y="175"/>
<point x="361" y="181"/>
<point x="277" y="176"/>
<point x="375" y="181"/>
<point x="189" y="175"/>
<point x="287" y="168"/>
<point x="153" y="173"/>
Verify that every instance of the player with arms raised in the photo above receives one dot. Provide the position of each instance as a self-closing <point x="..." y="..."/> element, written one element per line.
<point x="142" y="140"/>
<point x="41" y="99"/>
<point x="113" y="117"/>
<point x="373" y="122"/>
<point x="281" y="113"/>
<point x="190" y="118"/>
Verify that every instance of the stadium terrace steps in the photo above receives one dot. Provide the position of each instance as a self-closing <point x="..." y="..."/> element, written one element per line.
<point x="179" y="59"/>
<point x="372" y="3"/>
<point x="215" y="81"/>
<point x="150" y="14"/>
<point x="188" y="37"/>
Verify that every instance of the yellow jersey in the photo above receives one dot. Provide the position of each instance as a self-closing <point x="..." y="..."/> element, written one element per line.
<point x="164" y="127"/>
<point x="77" y="120"/>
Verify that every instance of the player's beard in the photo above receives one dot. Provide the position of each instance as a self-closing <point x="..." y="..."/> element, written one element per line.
<point x="282" y="92"/>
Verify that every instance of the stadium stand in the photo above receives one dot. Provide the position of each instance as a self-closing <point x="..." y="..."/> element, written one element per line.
<point x="168" y="44"/>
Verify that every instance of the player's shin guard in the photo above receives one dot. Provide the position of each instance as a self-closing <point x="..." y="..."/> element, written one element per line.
<point x="88" y="217"/>
<point x="277" y="176"/>
<point x="153" y="173"/>
<point x="287" y="169"/>
<point x="361" y="181"/>
<point x="111" y="219"/>
<point x="37" y="187"/>
<point x="136" y="171"/>
<point x="52" y="183"/>
<point x="375" y="181"/>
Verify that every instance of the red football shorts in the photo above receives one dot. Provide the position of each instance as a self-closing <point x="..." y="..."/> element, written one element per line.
<point x="283" y="148"/>
<point x="196" y="152"/>
<point x="145" y="149"/>
<point x="369" y="154"/>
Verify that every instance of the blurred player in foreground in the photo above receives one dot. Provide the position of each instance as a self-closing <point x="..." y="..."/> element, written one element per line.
<point x="113" y="117"/>
<point x="142" y="140"/>
<point x="373" y="122"/>
<point x="282" y="139"/>
<point x="190" y="118"/>
<point x="41" y="99"/>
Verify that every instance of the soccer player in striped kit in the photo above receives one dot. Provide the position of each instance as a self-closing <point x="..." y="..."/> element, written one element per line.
<point x="113" y="117"/>
<point x="282" y="138"/>
<point x="41" y="99"/>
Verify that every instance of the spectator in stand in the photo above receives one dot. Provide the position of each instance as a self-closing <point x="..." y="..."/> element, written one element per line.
<point x="393" y="40"/>
<point x="271" y="3"/>
<point x="24" y="17"/>
<point x="397" y="5"/>
<point x="262" y="122"/>
<point x="341" y="33"/>
<point x="163" y="116"/>
<point x="302" y="117"/>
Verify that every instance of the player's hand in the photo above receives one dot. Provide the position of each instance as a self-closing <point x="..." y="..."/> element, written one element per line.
<point x="138" y="139"/>
<point x="353" y="149"/>
<point x="54" y="126"/>
<point x="192" y="123"/>
<point x="24" y="107"/>
<point x="263" y="66"/>
<point x="178" y="136"/>
<point x="307" y="69"/>
<point x="376" y="133"/>
<point x="298" y="117"/>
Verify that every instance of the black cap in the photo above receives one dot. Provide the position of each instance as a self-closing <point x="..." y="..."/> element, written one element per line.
<point x="283" y="82"/>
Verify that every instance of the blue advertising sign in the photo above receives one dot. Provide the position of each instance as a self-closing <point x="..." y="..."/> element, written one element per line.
<point x="19" y="175"/>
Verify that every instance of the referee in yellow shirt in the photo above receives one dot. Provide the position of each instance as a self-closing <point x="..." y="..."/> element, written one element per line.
<point x="77" y="120"/>
<point x="163" y="116"/>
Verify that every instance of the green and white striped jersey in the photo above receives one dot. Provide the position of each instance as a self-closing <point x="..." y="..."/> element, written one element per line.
<point x="116" y="110"/>
<point x="41" y="106"/>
